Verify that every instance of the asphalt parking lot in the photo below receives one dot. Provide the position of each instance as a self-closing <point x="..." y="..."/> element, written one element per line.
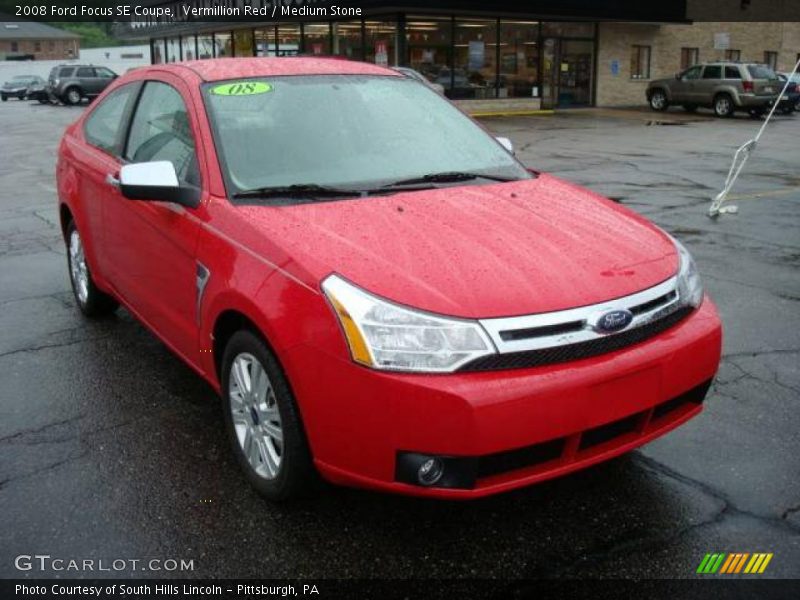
<point x="111" y="448"/>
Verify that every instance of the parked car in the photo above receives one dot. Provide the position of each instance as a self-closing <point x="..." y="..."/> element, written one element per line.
<point x="417" y="76"/>
<point x="72" y="83"/>
<point x="382" y="294"/>
<point x="38" y="91"/>
<point x="723" y="86"/>
<point x="17" y="86"/>
<point x="790" y="101"/>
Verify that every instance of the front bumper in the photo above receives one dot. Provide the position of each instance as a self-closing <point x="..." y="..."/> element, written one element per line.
<point x="508" y="429"/>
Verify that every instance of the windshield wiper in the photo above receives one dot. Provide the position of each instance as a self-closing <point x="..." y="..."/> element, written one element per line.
<point x="450" y="177"/>
<point x="298" y="191"/>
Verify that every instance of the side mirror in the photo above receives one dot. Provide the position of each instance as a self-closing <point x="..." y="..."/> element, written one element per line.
<point x="506" y="143"/>
<point x="156" y="181"/>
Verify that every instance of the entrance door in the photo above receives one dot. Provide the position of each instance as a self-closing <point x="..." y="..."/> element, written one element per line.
<point x="567" y="73"/>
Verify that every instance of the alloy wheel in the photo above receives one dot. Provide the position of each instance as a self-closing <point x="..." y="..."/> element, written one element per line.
<point x="73" y="96"/>
<point x="658" y="101"/>
<point x="255" y="414"/>
<point x="723" y="106"/>
<point x="77" y="267"/>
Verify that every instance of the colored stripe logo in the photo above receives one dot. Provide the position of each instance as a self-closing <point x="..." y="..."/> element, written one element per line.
<point x="734" y="563"/>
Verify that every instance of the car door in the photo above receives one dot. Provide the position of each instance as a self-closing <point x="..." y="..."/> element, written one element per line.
<point x="87" y="80"/>
<point x="104" y="77"/>
<point x="684" y="87"/>
<point x="152" y="245"/>
<point x="708" y="83"/>
<point x="103" y="133"/>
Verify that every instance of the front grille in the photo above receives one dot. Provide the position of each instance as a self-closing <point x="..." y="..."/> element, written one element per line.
<point x="581" y="350"/>
<point x="503" y="462"/>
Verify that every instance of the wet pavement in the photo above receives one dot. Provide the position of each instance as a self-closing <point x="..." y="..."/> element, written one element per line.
<point x="111" y="448"/>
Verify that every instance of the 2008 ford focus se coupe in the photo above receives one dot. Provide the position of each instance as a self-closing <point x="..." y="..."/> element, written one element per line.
<point x="380" y="292"/>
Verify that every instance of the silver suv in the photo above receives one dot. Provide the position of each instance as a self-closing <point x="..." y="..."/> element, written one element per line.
<point x="724" y="86"/>
<point x="72" y="83"/>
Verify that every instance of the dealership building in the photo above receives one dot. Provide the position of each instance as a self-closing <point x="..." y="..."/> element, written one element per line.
<point x="503" y="55"/>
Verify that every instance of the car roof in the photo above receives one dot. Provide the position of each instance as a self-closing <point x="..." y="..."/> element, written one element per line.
<point x="219" y="69"/>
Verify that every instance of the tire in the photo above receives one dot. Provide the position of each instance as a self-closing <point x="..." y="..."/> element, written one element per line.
<point x="21" y="97"/>
<point x="787" y="110"/>
<point x="73" y="96"/>
<point x="658" y="100"/>
<point x="690" y="108"/>
<point x="256" y="413"/>
<point x="92" y="302"/>
<point x="4" y="98"/>
<point x="723" y="106"/>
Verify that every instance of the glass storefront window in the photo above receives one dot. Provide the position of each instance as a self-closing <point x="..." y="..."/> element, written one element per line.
<point x="519" y="59"/>
<point x="189" y="50"/>
<point x="243" y="42"/>
<point x="347" y="39"/>
<point x="429" y="48"/>
<point x="289" y="39"/>
<point x="475" y="47"/>
<point x="158" y="52"/>
<point x="570" y="30"/>
<point x="205" y="46"/>
<point x="223" y="44"/>
<point x="173" y="50"/>
<point x="317" y="37"/>
<point x="265" y="41"/>
<point x="381" y="43"/>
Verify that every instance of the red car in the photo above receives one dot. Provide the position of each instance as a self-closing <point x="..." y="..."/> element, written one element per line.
<point x="380" y="292"/>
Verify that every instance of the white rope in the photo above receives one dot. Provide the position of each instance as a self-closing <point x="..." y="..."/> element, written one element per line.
<point x="741" y="157"/>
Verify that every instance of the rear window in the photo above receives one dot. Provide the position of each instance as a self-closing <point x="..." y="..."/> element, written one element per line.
<point x="732" y="73"/>
<point x="761" y="72"/>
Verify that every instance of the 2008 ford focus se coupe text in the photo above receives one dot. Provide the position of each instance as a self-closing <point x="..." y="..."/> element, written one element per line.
<point x="380" y="292"/>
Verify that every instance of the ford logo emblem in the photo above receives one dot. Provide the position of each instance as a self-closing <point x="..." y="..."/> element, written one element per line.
<point x="612" y="321"/>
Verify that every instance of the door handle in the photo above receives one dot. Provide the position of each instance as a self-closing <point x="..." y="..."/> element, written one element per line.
<point x="112" y="181"/>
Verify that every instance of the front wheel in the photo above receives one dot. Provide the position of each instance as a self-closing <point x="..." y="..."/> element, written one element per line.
<point x="658" y="100"/>
<point x="723" y="106"/>
<point x="91" y="301"/>
<point x="263" y="421"/>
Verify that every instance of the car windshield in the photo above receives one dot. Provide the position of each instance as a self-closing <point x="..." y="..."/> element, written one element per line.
<point x="761" y="72"/>
<point x="346" y="132"/>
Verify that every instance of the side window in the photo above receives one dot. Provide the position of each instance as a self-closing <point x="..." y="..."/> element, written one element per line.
<point x="103" y="127"/>
<point x="161" y="131"/>
<point x="732" y="73"/>
<point x="66" y="72"/>
<point x="712" y="72"/>
<point x="85" y="72"/>
<point x="693" y="73"/>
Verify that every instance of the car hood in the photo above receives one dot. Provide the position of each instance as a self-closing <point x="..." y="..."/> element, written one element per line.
<point x="475" y="251"/>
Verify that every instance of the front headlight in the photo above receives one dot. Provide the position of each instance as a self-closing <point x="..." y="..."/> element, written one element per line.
<point x="690" y="286"/>
<point x="386" y="336"/>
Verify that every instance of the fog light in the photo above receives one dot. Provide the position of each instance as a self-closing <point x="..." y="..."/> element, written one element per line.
<point x="430" y="471"/>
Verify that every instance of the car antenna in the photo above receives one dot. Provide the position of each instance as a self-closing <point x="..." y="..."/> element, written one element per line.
<point x="740" y="159"/>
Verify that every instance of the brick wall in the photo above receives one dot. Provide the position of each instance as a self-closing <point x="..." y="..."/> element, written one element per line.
<point x="41" y="49"/>
<point x="615" y="41"/>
